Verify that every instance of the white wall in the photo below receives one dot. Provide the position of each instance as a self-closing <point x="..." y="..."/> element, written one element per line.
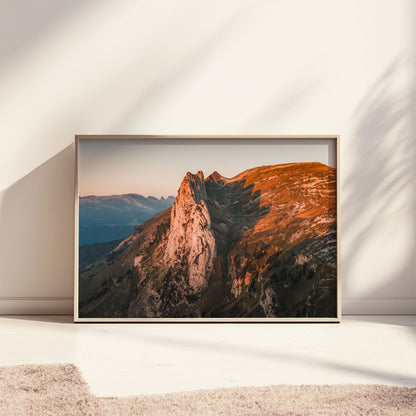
<point x="208" y="67"/>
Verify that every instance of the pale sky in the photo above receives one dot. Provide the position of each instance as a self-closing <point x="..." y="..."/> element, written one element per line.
<point x="156" y="167"/>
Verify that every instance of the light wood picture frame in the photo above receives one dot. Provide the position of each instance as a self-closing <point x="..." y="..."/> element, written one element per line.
<point x="207" y="228"/>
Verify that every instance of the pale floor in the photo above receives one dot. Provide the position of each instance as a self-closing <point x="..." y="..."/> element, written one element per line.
<point x="131" y="359"/>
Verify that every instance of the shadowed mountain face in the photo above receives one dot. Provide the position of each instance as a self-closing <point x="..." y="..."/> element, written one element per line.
<point x="106" y="218"/>
<point x="261" y="244"/>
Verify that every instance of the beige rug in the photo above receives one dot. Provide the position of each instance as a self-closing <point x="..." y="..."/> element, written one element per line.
<point x="60" y="390"/>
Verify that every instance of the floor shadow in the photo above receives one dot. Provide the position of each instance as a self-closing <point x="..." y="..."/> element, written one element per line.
<point x="37" y="231"/>
<point x="206" y="347"/>
<point x="391" y="377"/>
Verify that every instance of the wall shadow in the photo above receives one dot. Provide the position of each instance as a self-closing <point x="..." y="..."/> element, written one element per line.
<point x="37" y="231"/>
<point x="188" y="65"/>
<point x="379" y="192"/>
<point x="39" y="19"/>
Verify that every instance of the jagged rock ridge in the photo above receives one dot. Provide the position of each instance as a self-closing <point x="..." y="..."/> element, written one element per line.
<point x="191" y="247"/>
<point x="260" y="244"/>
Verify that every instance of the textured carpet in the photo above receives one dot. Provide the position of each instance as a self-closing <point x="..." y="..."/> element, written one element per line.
<point x="60" y="390"/>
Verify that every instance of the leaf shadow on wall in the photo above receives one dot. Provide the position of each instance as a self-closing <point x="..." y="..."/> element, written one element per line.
<point x="379" y="210"/>
<point x="37" y="230"/>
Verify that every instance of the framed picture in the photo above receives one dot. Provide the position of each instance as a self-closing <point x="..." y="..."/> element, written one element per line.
<point x="207" y="228"/>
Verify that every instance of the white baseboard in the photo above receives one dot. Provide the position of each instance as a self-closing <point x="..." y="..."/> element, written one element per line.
<point x="379" y="307"/>
<point x="36" y="306"/>
<point x="64" y="306"/>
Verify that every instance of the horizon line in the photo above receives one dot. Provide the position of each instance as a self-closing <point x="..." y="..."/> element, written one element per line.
<point x="205" y="177"/>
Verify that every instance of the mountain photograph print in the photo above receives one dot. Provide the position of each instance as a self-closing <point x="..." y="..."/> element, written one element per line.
<point x="206" y="229"/>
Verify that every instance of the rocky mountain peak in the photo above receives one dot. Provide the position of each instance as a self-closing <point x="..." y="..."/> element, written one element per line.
<point x="199" y="176"/>
<point x="192" y="188"/>
<point x="215" y="177"/>
<point x="190" y="240"/>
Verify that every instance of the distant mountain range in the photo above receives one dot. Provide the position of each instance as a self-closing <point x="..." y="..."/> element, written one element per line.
<point x="106" y="218"/>
<point x="261" y="244"/>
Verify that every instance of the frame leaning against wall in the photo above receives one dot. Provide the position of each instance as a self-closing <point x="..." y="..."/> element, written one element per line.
<point x="335" y="139"/>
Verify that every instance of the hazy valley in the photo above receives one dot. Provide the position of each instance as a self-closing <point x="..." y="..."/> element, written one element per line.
<point x="107" y="218"/>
